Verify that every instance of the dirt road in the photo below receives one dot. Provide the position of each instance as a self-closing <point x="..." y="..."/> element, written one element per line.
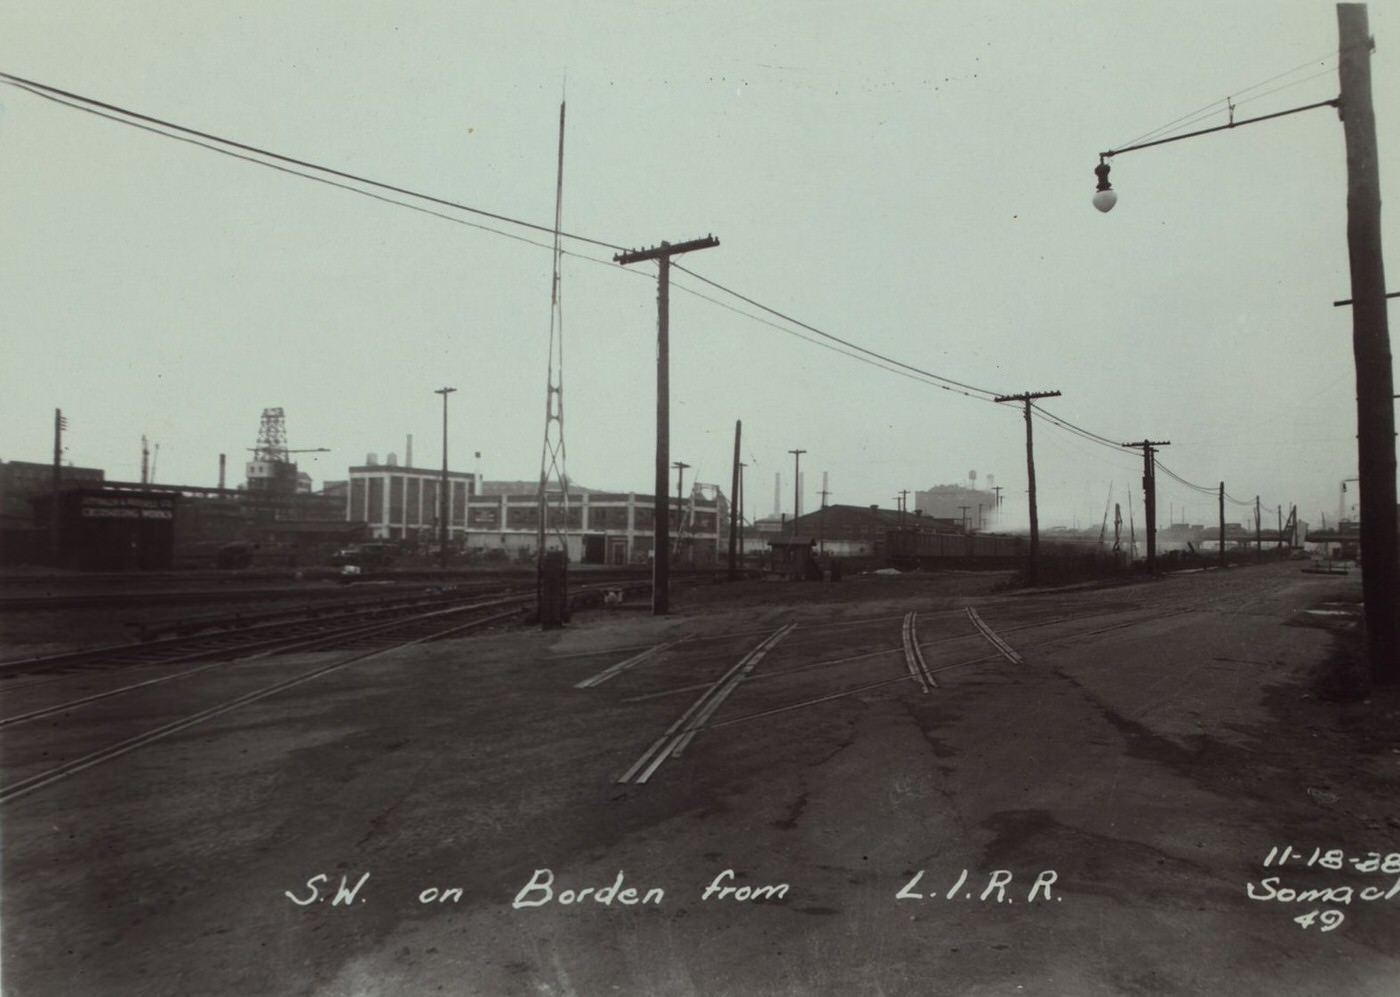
<point x="1140" y="796"/>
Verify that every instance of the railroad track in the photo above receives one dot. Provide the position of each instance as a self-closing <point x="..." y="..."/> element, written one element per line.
<point x="699" y="716"/>
<point x="238" y="636"/>
<point x="673" y="743"/>
<point x="368" y="639"/>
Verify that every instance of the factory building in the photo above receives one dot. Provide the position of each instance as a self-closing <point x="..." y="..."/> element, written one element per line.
<point x="402" y="503"/>
<point x="613" y="528"/>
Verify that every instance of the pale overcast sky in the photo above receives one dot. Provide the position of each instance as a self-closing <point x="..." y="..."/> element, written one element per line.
<point x="913" y="177"/>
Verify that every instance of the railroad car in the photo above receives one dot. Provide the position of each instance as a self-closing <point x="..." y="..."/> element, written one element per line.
<point x="921" y="549"/>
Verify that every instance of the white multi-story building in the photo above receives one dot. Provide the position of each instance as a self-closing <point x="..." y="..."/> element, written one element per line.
<point x="403" y="503"/>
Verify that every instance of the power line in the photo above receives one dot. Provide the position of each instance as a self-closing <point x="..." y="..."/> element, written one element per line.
<point x="154" y="125"/>
<point x="1213" y="108"/>
<point x="1092" y="437"/>
<point x="250" y="153"/>
<point x="989" y="394"/>
<point x="854" y="352"/>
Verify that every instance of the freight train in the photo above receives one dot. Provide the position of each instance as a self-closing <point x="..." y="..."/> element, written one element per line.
<point x="917" y="549"/>
<point x="913" y="549"/>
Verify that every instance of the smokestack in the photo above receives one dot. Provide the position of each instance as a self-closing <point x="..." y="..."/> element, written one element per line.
<point x="778" y="493"/>
<point x="408" y="452"/>
<point x="824" y="492"/>
<point x="223" y="464"/>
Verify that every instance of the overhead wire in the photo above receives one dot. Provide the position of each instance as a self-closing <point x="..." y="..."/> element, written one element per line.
<point x="217" y="143"/>
<point x="1214" y="107"/>
<point x="945" y="382"/>
<point x="273" y="160"/>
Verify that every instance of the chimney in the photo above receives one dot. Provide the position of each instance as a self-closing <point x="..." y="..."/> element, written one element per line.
<point x="778" y="493"/>
<point x="223" y="464"/>
<point x="408" y="452"/>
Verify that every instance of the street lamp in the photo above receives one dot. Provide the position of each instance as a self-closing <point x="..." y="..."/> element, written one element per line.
<point x="1375" y="414"/>
<point x="442" y="491"/>
<point x="1105" y="197"/>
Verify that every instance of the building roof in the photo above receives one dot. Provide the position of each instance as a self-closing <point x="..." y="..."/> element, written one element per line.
<point x="489" y="488"/>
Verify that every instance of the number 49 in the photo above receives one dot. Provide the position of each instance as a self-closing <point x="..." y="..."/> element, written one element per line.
<point x="1328" y="918"/>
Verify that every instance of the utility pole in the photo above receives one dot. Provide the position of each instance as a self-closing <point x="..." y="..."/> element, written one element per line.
<point x="734" y="505"/>
<point x="1222" y="523"/>
<point x="739" y="501"/>
<point x="964" y="509"/>
<point x="1033" y="562"/>
<point x="661" y="568"/>
<point x="796" y="487"/>
<point x="442" y="490"/>
<point x="145" y="460"/>
<point x="59" y="425"/>
<point x="903" y="506"/>
<point x="680" y="467"/>
<point x="821" y="542"/>
<point x="1259" y="537"/>
<point x="1375" y="383"/>
<point x="1149" y="494"/>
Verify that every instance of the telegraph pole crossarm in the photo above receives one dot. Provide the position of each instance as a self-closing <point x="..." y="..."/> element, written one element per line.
<point x="661" y="568"/>
<point x="1033" y="560"/>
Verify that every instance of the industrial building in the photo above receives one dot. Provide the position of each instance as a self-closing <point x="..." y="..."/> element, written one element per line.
<point x="403" y="503"/>
<point x="613" y="528"/>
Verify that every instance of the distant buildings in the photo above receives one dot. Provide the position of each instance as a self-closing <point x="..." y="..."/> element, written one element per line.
<point x="967" y="504"/>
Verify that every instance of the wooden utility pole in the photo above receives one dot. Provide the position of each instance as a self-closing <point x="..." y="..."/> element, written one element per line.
<point x="1259" y="537"/>
<point x="1375" y="385"/>
<point x="661" y="567"/>
<point x="821" y="541"/>
<point x="734" y="505"/>
<point x="1033" y="560"/>
<point x="59" y="425"/>
<point x="1221" y="505"/>
<point x="1149" y="494"/>
<point x="739" y="501"/>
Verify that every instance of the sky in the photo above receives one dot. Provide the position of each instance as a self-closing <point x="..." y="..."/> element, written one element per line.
<point x="913" y="178"/>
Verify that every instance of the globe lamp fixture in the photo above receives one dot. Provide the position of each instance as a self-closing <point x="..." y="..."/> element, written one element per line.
<point x="1105" y="197"/>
